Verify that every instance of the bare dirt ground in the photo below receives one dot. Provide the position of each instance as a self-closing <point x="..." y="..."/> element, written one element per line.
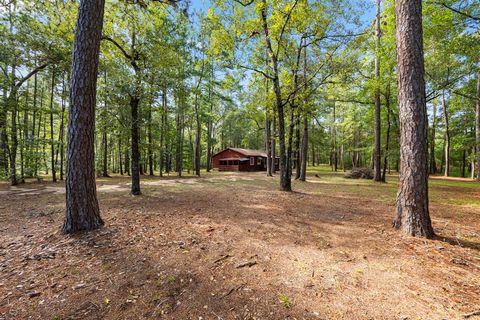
<point x="229" y="246"/>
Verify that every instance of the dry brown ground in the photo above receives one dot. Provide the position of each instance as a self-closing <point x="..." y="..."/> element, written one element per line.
<point x="228" y="246"/>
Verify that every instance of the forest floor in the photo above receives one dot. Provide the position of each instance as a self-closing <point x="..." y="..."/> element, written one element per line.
<point x="230" y="246"/>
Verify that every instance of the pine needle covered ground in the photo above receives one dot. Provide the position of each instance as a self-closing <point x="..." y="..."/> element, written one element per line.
<point x="225" y="246"/>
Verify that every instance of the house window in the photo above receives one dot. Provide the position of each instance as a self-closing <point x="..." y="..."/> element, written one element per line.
<point x="259" y="161"/>
<point x="235" y="162"/>
<point x="252" y="161"/>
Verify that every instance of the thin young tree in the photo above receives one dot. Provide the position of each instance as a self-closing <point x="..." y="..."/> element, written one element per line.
<point x="412" y="215"/>
<point x="377" y="152"/>
<point x="82" y="210"/>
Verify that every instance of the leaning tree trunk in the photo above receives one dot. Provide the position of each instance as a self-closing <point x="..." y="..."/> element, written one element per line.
<point x="285" y="172"/>
<point x="82" y="211"/>
<point x="412" y="215"/>
<point x="377" y="152"/>
<point x="304" y="152"/>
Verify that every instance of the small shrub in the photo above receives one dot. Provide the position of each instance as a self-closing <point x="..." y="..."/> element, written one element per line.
<point x="285" y="300"/>
<point x="359" y="173"/>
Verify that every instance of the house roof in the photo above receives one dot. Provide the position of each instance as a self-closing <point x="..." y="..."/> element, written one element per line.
<point x="246" y="152"/>
<point x="241" y="159"/>
<point x="250" y="152"/>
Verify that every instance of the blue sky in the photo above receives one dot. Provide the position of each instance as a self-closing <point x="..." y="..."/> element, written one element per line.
<point x="366" y="18"/>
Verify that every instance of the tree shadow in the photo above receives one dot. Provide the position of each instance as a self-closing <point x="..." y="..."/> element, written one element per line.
<point x="458" y="242"/>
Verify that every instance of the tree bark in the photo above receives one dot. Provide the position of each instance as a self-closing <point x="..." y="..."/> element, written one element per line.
<point x="25" y="141"/>
<point x="298" y="161"/>
<point x="134" y="103"/>
<point x="285" y="176"/>
<point x="268" y="143"/>
<point x="82" y="210"/>
<point x="179" y="139"/>
<point x="163" y="132"/>
<point x="433" y="163"/>
<point x="378" y="130"/>
<point x="268" y="122"/>
<point x="304" y="153"/>
<point x="387" y="141"/>
<point x="52" y="140"/>
<point x="127" y="160"/>
<point x="334" y="140"/>
<point x="447" y="136"/>
<point x="3" y="136"/>
<point x="104" y="132"/>
<point x="273" y="154"/>
<point x="150" y="141"/>
<point x="477" y="127"/>
<point x="14" y="142"/>
<point x="120" y="165"/>
<point x="412" y="216"/>
<point x="62" y="130"/>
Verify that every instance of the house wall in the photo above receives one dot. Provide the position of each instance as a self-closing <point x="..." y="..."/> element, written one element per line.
<point x="242" y="167"/>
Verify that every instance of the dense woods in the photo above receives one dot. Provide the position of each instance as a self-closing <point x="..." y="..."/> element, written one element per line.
<point x="310" y="82"/>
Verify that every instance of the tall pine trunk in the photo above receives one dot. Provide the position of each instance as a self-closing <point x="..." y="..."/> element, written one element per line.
<point x="412" y="216"/>
<point x="82" y="210"/>
<point x="134" y="104"/>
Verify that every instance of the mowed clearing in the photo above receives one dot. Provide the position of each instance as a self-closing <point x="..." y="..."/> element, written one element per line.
<point x="230" y="246"/>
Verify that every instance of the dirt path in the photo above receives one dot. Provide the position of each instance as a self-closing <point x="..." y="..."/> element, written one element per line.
<point x="228" y="247"/>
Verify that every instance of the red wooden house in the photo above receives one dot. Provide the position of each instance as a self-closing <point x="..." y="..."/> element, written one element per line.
<point x="237" y="159"/>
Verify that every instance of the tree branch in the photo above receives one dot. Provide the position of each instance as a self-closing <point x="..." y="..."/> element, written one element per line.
<point x="245" y="4"/>
<point x="443" y="4"/>
<point x="124" y="52"/>
<point x="257" y="70"/>
<point x="30" y="74"/>
<point x="289" y="15"/>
